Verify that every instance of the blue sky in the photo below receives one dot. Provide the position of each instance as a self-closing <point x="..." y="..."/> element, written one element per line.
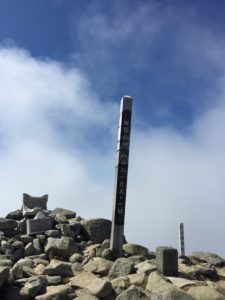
<point x="64" y="66"/>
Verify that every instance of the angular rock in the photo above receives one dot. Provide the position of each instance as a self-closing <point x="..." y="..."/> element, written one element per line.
<point x="205" y="293"/>
<point x="53" y="280"/>
<point x="76" y="257"/>
<point x="97" y="286"/>
<point x="29" y="249"/>
<point x="120" y="284"/>
<point x="52" y="233"/>
<point x="56" y="292"/>
<point x="59" y="268"/>
<point x="121" y="267"/>
<point x="133" y="293"/>
<point x="162" y="288"/>
<point x="63" y="212"/>
<point x="33" y="286"/>
<point x="37" y="246"/>
<point x="7" y="224"/>
<point x="145" y="267"/>
<point x="15" y="215"/>
<point x="4" y="275"/>
<point x="96" y="230"/>
<point x="86" y="297"/>
<point x="66" y="231"/>
<point x="99" y="266"/>
<point x="134" y="249"/>
<point x="6" y="262"/>
<point x="182" y="282"/>
<point x="208" y="257"/>
<point x="63" y="247"/>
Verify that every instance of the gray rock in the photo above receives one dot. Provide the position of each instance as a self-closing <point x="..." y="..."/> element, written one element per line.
<point x="63" y="247"/>
<point x="29" y="249"/>
<point x="4" y="275"/>
<point x="134" y="249"/>
<point x="76" y="257"/>
<point x="52" y="233"/>
<point x="59" y="292"/>
<point x="99" y="265"/>
<point x="60" y="219"/>
<point x="63" y="212"/>
<point x="145" y="267"/>
<point x="66" y="231"/>
<point x="97" y="286"/>
<point x="208" y="257"/>
<point x="25" y="239"/>
<point x="7" y="224"/>
<point x="133" y="293"/>
<point x="96" y="230"/>
<point x="7" y="248"/>
<point x="121" y="267"/>
<point x="37" y="246"/>
<point x="33" y="286"/>
<point x="75" y="227"/>
<point x="15" y="215"/>
<point x="53" y="280"/>
<point x="6" y="262"/>
<point x="107" y="254"/>
<point x="59" y="268"/>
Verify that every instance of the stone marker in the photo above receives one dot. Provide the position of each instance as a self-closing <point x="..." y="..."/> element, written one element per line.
<point x="32" y="205"/>
<point x="182" y="248"/>
<point x="39" y="224"/>
<point x="120" y="184"/>
<point x="167" y="261"/>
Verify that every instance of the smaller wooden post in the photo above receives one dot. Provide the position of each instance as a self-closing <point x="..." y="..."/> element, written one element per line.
<point x="182" y="248"/>
<point x="120" y="184"/>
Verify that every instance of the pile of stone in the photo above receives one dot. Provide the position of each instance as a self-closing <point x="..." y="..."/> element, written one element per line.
<point x="72" y="260"/>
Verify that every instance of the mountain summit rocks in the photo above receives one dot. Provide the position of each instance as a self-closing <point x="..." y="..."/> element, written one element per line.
<point x="73" y="260"/>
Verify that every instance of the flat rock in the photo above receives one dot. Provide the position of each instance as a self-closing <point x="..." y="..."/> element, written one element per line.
<point x="99" y="265"/>
<point x="4" y="275"/>
<point x="134" y="249"/>
<point x="69" y="214"/>
<point x="121" y="267"/>
<point x="96" y="230"/>
<point x="15" y="215"/>
<point x="205" y="293"/>
<point x="56" y="292"/>
<point x="208" y="257"/>
<point x="64" y="246"/>
<point x="53" y="280"/>
<point x="161" y="288"/>
<point x="7" y="224"/>
<point x="145" y="267"/>
<point x="59" y="268"/>
<point x="133" y="293"/>
<point x="182" y="282"/>
<point x="97" y="286"/>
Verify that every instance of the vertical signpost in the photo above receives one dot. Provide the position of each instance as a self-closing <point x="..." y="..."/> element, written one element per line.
<point x="182" y="249"/>
<point x="120" y="185"/>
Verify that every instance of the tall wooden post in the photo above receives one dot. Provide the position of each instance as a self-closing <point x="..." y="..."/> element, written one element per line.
<point x="120" y="184"/>
<point x="182" y="248"/>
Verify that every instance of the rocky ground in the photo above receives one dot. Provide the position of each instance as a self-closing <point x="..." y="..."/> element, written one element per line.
<point x="73" y="261"/>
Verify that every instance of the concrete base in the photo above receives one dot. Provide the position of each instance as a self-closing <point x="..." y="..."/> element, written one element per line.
<point x="167" y="261"/>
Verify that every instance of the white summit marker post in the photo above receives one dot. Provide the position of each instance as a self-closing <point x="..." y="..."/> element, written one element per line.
<point x="120" y="183"/>
<point x="181" y="231"/>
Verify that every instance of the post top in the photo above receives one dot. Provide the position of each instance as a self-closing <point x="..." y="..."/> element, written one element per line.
<point x="126" y="103"/>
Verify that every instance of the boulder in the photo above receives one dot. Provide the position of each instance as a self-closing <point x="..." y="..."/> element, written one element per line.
<point x="69" y="214"/>
<point x="161" y="288"/>
<point x="208" y="257"/>
<point x="99" y="265"/>
<point x="15" y="215"/>
<point x="145" y="267"/>
<point x="133" y="293"/>
<point x="97" y="286"/>
<point x="96" y="230"/>
<point x="205" y="293"/>
<point x="33" y="286"/>
<point x="56" y="292"/>
<point x="59" y="268"/>
<point x="7" y="224"/>
<point x="63" y="247"/>
<point x="121" y="267"/>
<point x="4" y="275"/>
<point x="134" y="249"/>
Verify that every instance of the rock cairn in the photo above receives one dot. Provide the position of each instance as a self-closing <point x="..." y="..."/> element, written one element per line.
<point x="73" y="261"/>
